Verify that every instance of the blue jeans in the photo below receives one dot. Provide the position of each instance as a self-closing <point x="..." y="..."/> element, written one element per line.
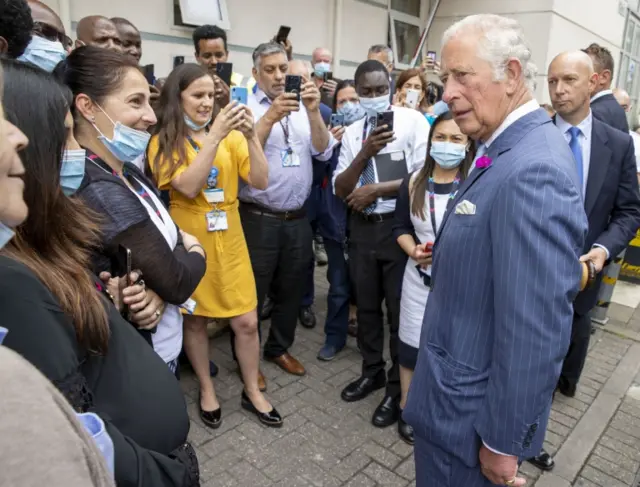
<point x="335" y="327"/>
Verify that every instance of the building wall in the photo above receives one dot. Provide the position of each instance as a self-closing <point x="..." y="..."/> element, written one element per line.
<point x="364" y="23"/>
<point x="550" y="26"/>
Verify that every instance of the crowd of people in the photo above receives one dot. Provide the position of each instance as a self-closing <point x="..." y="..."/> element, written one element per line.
<point x="449" y="206"/>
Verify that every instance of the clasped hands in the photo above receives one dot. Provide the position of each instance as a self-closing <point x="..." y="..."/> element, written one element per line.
<point x="145" y="306"/>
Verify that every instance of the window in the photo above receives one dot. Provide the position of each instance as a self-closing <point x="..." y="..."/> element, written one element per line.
<point x="192" y="13"/>
<point x="405" y="38"/>
<point x="628" y="71"/>
<point x="409" y="7"/>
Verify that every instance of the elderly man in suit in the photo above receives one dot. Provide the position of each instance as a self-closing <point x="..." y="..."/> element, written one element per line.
<point x="505" y="271"/>
<point x="606" y="166"/>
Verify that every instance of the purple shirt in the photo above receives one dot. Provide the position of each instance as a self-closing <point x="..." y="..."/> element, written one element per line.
<point x="289" y="187"/>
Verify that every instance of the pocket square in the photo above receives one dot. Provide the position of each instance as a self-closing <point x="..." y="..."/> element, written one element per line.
<point x="465" y="208"/>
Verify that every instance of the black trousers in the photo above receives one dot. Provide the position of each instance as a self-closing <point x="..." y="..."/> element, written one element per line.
<point x="378" y="270"/>
<point x="577" y="354"/>
<point x="280" y="251"/>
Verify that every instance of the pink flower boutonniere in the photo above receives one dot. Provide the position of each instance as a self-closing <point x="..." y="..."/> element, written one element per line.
<point x="483" y="162"/>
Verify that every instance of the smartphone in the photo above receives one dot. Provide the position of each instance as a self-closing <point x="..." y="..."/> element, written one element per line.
<point x="122" y="266"/>
<point x="283" y="34"/>
<point x="224" y="72"/>
<point x="293" y="84"/>
<point x="327" y="76"/>
<point x="432" y="55"/>
<point x="411" y="98"/>
<point x="337" y="120"/>
<point x="148" y="71"/>
<point x="239" y="94"/>
<point x="429" y="246"/>
<point x="385" y="118"/>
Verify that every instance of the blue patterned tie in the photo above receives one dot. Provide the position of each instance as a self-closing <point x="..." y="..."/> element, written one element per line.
<point x="368" y="176"/>
<point x="576" y="148"/>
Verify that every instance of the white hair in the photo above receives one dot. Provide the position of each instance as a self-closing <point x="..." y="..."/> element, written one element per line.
<point x="501" y="39"/>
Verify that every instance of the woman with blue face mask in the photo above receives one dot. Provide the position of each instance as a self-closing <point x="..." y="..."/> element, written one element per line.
<point x="60" y="315"/>
<point x="422" y="201"/>
<point x="111" y="115"/>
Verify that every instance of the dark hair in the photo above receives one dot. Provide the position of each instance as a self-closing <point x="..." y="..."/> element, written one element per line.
<point x="434" y="94"/>
<point x="206" y="32"/>
<point x="602" y="58"/>
<point x="369" y="66"/>
<point x="171" y="128"/>
<point x="57" y="240"/>
<point x="94" y="71"/>
<point x="345" y="83"/>
<point x="419" y="188"/>
<point x="16" y="25"/>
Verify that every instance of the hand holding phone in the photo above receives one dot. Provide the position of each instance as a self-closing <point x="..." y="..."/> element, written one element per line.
<point x="239" y="94"/>
<point x="337" y="120"/>
<point x="385" y="118"/>
<point x="283" y="34"/>
<point x="411" y="99"/>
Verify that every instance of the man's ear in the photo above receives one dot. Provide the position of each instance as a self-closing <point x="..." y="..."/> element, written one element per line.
<point x="4" y="46"/>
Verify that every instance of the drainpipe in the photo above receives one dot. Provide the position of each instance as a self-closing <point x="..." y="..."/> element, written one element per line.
<point x="425" y="33"/>
<point x="337" y="33"/>
<point x="64" y="7"/>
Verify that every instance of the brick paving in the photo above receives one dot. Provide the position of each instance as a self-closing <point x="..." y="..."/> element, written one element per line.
<point x="326" y="442"/>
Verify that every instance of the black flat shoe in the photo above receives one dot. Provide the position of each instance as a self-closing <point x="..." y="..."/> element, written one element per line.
<point x="271" y="419"/>
<point x="405" y="431"/>
<point x="362" y="387"/>
<point x="387" y="412"/>
<point x="213" y="419"/>
<point x="544" y="461"/>
<point x="566" y="388"/>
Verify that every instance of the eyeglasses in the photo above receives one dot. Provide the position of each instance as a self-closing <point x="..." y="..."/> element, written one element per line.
<point x="52" y="34"/>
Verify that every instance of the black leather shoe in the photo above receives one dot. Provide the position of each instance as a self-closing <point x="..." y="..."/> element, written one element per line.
<point x="566" y="388"/>
<point x="363" y="387"/>
<point x="405" y="431"/>
<point x="271" y="419"/>
<point x="213" y="419"/>
<point x="267" y="308"/>
<point x="544" y="461"/>
<point x="307" y="317"/>
<point x="387" y="412"/>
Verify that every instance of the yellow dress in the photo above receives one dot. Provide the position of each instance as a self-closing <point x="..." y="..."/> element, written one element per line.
<point x="228" y="287"/>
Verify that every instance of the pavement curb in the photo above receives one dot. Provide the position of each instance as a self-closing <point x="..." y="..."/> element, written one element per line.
<point x="575" y="451"/>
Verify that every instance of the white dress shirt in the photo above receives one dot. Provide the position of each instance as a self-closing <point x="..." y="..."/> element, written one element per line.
<point x="636" y="148"/>
<point x="585" y="143"/>
<point x="601" y="94"/>
<point x="412" y="135"/>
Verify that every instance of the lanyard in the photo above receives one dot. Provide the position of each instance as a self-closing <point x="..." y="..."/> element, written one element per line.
<point x="285" y="130"/>
<point x="432" y="198"/>
<point x="135" y="184"/>
<point x="364" y="129"/>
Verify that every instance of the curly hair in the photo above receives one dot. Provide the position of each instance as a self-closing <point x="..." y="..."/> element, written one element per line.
<point x="16" y="25"/>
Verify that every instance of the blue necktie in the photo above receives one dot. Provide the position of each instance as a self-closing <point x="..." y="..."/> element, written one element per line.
<point x="368" y="176"/>
<point x="576" y="148"/>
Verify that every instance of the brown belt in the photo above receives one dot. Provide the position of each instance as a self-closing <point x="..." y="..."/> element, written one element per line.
<point x="280" y="215"/>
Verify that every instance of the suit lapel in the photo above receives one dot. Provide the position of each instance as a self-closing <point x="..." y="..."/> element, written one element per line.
<point x="511" y="136"/>
<point x="598" y="165"/>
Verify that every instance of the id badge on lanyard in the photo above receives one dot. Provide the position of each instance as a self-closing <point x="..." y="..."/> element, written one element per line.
<point x="288" y="157"/>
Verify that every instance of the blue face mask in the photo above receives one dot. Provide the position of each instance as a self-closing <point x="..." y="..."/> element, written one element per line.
<point x="439" y="108"/>
<point x="320" y="68"/>
<point x="6" y="234"/>
<point x="430" y="118"/>
<point x="352" y="112"/>
<point x="127" y="144"/>
<point x="44" y="53"/>
<point x="72" y="170"/>
<point x="447" y="154"/>
<point x="194" y="126"/>
<point x="373" y="106"/>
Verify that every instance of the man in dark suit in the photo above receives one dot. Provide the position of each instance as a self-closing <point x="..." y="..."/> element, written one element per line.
<point x="606" y="166"/>
<point x="603" y="104"/>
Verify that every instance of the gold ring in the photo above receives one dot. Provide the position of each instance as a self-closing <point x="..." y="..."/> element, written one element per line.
<point x="158" y="313"/>
<point x="511" y="482"/>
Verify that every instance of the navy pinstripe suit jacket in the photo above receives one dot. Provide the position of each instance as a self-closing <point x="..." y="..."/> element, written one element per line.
<point x="498" y="322"/>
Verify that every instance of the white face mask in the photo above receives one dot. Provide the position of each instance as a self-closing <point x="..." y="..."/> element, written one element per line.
<point x="373" y="106"/>
<point x="6" y="234"/>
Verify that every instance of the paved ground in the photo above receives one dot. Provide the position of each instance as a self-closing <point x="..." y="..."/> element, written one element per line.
<point x="326" y="442"/>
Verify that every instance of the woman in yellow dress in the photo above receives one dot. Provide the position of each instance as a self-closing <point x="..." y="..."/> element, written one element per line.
<point x="200" y="163"/>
